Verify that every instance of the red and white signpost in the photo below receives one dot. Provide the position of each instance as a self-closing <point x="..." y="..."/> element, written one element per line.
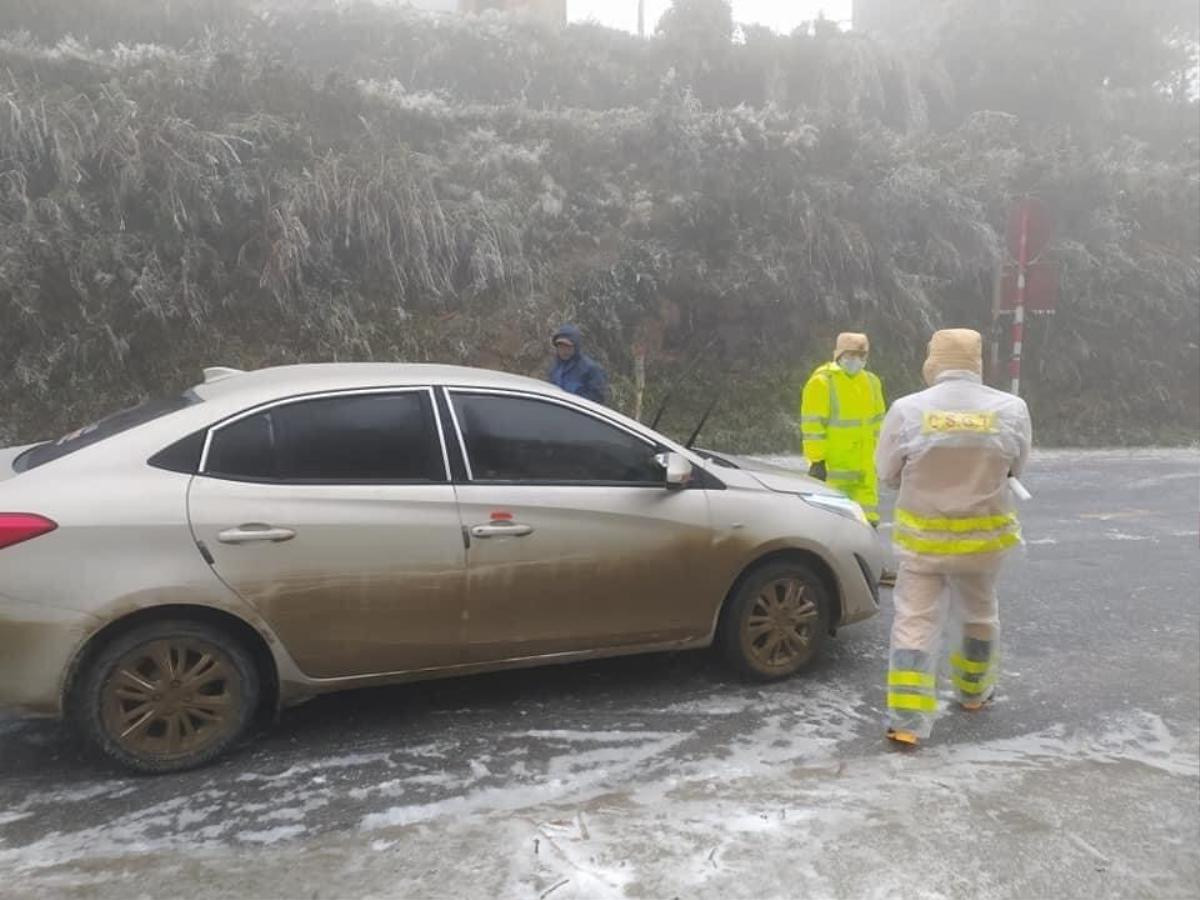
<point x="1031" y="285"/>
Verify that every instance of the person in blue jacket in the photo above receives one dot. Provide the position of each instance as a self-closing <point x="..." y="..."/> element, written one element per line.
<point x="573" y="370"/>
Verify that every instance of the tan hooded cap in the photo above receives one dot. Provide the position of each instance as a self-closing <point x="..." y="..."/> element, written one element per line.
<point x="851" y="342"/>
<point x="954" y="349"/>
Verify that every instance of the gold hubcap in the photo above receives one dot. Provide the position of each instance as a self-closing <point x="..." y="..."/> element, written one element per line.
<point x="171" y="698"/>
<point x="779" y="630"/>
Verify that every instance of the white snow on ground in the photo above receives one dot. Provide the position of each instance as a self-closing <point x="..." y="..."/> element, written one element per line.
<point x="271" y="835"/>
<point x="1110" y="454"/>
<point x="786" y="808"/>
<point x="1190" y="454"/>
<point x="577" y="770"/>
<point x="329" y="762"/>
<point x="1114" y="535"/>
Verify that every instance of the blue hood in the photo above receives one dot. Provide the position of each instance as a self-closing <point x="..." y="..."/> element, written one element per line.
<point x="572" y="334"/>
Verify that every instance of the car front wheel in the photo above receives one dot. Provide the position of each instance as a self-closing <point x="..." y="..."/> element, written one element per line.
<point x="167" y="696"/>
<point x="776" y="621"/>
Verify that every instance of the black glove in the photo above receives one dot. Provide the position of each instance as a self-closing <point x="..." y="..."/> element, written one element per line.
<point x="817" y="470"/>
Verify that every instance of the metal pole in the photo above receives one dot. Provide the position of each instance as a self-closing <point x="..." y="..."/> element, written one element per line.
<point x="993" y="370"/>
<point x="641" y="18"/>
<point x="1018" y="328"/>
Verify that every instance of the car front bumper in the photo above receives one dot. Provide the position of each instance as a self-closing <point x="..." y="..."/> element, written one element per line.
<point x="859" y="567"/>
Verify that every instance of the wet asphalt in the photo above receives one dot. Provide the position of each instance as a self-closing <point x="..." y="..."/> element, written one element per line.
<point x="1101" y="636"/>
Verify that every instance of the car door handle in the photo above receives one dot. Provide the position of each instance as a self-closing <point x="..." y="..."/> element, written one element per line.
<point x="250" y="534"/>
<point x="498" y="529"/>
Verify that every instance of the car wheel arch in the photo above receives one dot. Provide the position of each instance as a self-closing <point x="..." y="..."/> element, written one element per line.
<point x="237" y="628"/>
<point x="808" y="558"/>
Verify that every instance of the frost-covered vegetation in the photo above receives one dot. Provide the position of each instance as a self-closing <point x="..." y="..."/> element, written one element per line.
<point x="193" y="182"/>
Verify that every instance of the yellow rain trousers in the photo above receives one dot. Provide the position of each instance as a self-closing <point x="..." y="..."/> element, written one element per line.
<point x="840" y="417"/>
<point x="949" y="450"/>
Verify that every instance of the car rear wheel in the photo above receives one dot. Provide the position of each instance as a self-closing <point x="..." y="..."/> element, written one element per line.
<point x="167" y="696"/>
<point x="776" y="622"/>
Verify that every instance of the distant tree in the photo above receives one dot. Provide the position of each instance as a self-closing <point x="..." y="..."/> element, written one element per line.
<point x="696" y="36"/>
<point x="1068" y="61"/>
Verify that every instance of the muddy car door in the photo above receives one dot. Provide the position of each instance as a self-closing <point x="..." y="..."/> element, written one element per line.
<point x="335" y="517"/>
<point x="575" y="541"/>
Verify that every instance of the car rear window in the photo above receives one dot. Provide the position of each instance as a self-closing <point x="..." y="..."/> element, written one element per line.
<point x="355" y="438"/>
<point x="105" y="428"/>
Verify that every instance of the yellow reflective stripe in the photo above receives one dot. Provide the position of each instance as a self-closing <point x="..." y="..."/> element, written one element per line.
<point x="834" y="401"/>
<point x="844" y="474"/>
<point x="972" y="687"/>
<point x="935" y="421"/>
<point x="971" y="666"/>
<point x="813" y="435"/>
<point x="956" y="546"/>
<point x="911" y="701"/>
<point x="911" y="678"/>
<point x="821" y="419"/>
<point x="980" y="523"/>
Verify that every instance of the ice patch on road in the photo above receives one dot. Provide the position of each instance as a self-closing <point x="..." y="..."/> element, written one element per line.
<point x="271" y="835"/>
<point x="330" y="762"/>
<point x="133" y="833"/>
<point x="578" y="735"/>
<point x="566" y="773"/>
<point x="1155" y="481"/>
<point x="1074" y="454"/>
<point x="1141" y="737"/>
<point x="1114" y="535"/>
<point x="733" y="830"/>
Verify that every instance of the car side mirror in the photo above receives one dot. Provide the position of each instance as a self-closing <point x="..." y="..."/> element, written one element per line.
<point x="678" y="469"/>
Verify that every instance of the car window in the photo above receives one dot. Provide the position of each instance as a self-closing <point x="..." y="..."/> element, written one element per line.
<point x="107" y="427"/>
<point x="353" y="438"/>
<point x="183" y="455"/>
<point x="245" y="449"/>
<point x="526" y="440"/>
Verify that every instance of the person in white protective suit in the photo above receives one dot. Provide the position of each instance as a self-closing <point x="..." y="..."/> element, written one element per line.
<point x="950" y="450"/>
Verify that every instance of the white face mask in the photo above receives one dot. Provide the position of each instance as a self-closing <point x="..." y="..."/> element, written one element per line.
<point x="852" y="365"/>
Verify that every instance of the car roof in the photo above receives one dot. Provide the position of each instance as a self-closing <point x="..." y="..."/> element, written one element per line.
<point x="316" y="377"/>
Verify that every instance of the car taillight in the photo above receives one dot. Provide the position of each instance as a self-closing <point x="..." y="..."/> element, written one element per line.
<point x="18" y="527"/>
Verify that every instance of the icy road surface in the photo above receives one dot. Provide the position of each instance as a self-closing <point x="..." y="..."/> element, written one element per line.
<point x="659" y="777"/>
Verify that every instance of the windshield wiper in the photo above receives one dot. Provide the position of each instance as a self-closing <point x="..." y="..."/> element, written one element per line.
<point x="703" y="421"/>
<point x="683" y="376"/>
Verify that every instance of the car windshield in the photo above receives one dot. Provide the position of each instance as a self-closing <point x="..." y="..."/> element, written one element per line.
<point x="105" y="428"/>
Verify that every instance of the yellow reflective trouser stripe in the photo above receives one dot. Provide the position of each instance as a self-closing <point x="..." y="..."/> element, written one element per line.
<point x="971" y="666"/>
<point x="911" y="701"/>
<point x="972" y="687"/>
<point x="981" y="523"/>
<point x="956" y="546"/>
<point x="911" y="678"/>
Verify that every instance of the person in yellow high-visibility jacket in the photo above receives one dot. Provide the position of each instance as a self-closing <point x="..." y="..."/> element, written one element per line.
<point x="841" y="411"/>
